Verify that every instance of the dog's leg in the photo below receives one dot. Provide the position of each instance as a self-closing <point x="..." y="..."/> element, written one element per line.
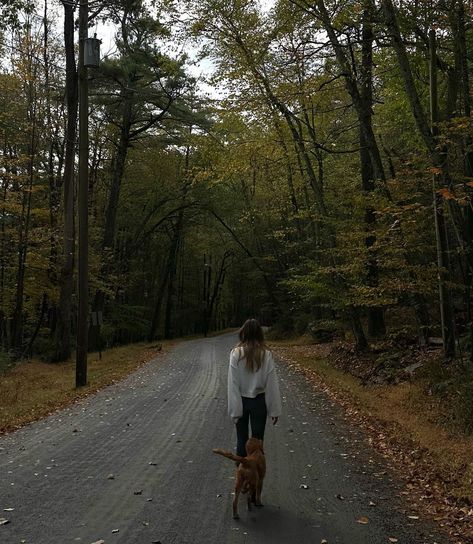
<point x="259" y="489"/>
<point x="248" y="500"/>
<point x="235" y="503"/>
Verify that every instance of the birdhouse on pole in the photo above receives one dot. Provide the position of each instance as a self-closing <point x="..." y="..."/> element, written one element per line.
<point x="92" y="52"/>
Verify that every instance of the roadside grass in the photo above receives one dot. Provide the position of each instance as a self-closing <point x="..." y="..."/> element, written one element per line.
<point x="33" y="389"/>
<point x="406" y="411"/>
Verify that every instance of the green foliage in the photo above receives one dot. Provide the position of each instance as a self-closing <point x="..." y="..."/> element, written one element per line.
<point x="11" y="12"/>
<point x="251" y="204"/>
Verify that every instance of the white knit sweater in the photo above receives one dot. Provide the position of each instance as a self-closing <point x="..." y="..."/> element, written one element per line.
<point x="244" y="383"/>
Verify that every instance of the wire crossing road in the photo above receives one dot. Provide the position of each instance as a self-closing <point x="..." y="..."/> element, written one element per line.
<point x="133" y="465"/>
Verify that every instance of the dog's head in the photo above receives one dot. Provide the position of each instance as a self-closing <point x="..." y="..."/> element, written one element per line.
<point x="253" y="445"/>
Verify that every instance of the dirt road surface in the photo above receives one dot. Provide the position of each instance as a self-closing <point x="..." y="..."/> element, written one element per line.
<point x="133" y="465"/>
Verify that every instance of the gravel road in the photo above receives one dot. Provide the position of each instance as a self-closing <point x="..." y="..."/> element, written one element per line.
<point x="133" y="465"/>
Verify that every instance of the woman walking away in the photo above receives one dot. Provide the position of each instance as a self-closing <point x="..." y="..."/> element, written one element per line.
<point x="253" y="390"/>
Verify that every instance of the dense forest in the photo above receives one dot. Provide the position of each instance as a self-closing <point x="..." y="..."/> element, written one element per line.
<point x="324" y="185"/>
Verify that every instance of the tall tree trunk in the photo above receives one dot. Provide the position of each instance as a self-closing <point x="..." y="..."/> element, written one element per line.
<point x="422" y="123"/>
<point x="173" y="254"/>
<point x="213" y="297"/>
<point x="360" y="339"/>
<point x="24" y="227"/>
<point x="290" y="119"/>
<point x="438" y="159"/>
<point x="63" y="334"/>
<point x="159" y="301"/>
<point x="446" y="305"/>
<point x="364" y="114"/>
<point x="289" y="175"/>
<point x="376" y="325"/>
<point x="457" y="18"/>
<point x="51" y="138"/>
<point x="4" y="254"/>
<point x="118" y="169"/>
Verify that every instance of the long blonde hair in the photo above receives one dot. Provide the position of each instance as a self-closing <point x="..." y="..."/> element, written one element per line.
<point x="252" y="343"/>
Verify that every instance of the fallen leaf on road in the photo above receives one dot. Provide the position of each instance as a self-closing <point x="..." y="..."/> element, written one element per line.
<point x="4" y="521"/>
<point x="304" y="486"/>
<point x="363" y="520"/>
<point x="392" y="539"/>
<point x="115" y="530"/>
<point x="323" y="541"/>
<point x="413" y="517"/>
<point x="371" y="503"/>
<point x="8" y="509"/>
<point x="138" y="492"/>
<point x="110" y="477"/>
<point x="99" y="542"/>
<point x="340" y="497"/>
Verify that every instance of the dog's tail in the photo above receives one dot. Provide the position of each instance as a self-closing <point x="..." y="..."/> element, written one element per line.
<point x="230" y="455"/>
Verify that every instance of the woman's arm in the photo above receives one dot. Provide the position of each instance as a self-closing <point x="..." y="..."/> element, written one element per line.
<point x="272" y="394"/>
<point x="235" y="404"/>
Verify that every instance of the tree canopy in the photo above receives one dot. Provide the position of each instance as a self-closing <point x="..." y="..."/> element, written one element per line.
<point x="325" y="185"/>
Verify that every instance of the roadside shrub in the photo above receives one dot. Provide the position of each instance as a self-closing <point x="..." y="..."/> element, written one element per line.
<point x="44" y="348"/>
<point x="301" y="323"/>
<point x="6" y="361"/>
<point x="453" y="385"/>
<point x="323" y="330"/>
<point x="282" y="329"/>
<point x="463" y="403"/>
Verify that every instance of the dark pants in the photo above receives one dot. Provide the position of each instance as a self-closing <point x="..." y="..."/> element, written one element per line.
<point x="254" y="411"/>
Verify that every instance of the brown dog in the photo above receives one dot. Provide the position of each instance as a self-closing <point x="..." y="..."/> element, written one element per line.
<point x="250" y="473"/>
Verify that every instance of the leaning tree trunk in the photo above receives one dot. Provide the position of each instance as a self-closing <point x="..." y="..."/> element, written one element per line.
<point x="350" y="79"/>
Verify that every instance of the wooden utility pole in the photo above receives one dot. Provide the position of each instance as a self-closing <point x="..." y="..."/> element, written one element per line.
<point x="83" y="280"/>
<point x="446" y="307"/>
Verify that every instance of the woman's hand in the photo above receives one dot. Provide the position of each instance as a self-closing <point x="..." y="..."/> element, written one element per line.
<point x="275" y="419"/>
